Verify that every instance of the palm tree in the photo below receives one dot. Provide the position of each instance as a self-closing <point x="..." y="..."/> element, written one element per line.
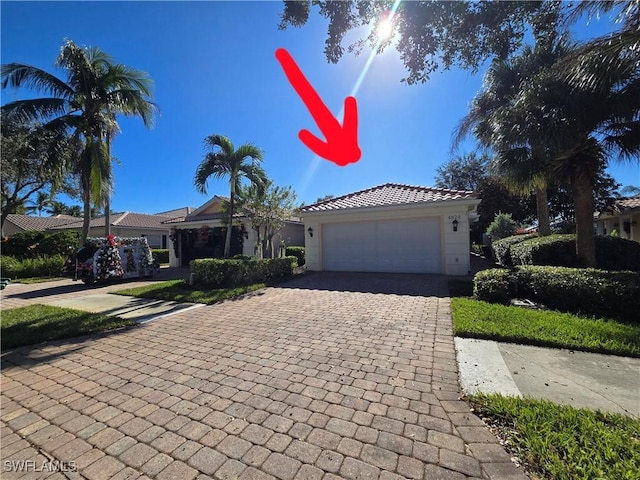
<point x="41" y="202"/>
<point x="223" y="160"/>
<point x="84" y="108"/>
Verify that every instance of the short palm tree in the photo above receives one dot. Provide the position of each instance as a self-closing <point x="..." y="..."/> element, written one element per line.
<point x="223" y="160"/>
<point x="84" y="108"/>
<point x="41" y="202"/>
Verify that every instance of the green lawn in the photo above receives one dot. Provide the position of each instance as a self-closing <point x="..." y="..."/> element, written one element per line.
<point x="179" y="291"/>
<point x="38" y="279"/>
<point x="559" y="442"/>
<point x="475" y="319"/>
<point x="40" y="323"/>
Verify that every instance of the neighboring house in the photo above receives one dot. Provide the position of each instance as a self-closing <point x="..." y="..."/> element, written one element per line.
<point x="16" y="223"/>
<point x="128" y="224"/>
<point x="201" y="234"/>
<point x="624" y="218"/>
<point x="391" y="228"/>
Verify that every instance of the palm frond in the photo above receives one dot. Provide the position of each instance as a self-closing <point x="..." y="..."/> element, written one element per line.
<point x="220" y="141"/>
<point x="34" y="110"/>
<point x="17" y="75"/>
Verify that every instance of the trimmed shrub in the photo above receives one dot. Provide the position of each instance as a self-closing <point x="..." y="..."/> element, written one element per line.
<point x="161" y="254"/>
<point x="23" y="244"/>
<point x="297" y="252"/>
<point x="502" y="226"/>
<point x="493" y="285"/>
<point x="613" y="253"/>
<point x="502" y="248"/>
<point x="220" y="273"/>
<point x="31" y="267"/>
<point x="59" y="243"/>
<point x="590" y="292"/>
<point x="558" y="250"/>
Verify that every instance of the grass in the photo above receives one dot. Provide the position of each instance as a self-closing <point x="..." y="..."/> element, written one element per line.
<point x="179" y="291"/>
<point x="38" y="280"/>
<point x="564" y="443"/>
<point x="41" y="323"/>
<point x="475" y="319"/>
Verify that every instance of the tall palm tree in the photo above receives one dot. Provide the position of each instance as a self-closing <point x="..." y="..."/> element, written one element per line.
<point x="223" y="160"/>
<point x="84" y="107"/>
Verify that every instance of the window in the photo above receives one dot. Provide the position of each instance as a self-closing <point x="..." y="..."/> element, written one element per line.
<point x="155" y="241"/>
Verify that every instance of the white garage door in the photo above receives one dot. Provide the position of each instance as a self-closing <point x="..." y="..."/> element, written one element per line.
<point x="409" y="246"/>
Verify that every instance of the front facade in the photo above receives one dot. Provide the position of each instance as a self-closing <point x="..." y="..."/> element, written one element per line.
<point x="202" y="233"/>
<point x="624" y="219"/>
<point x="391" y="228"/>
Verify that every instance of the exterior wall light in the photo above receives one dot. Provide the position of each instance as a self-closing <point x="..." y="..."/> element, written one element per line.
<point x="455" y="225"/>
<point x="310" y="230"/>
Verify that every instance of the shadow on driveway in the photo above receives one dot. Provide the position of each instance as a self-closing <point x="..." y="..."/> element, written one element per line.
<point x="422" y="285"/>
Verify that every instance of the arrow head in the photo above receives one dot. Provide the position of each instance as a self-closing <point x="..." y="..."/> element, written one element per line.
<point x="341" y="145"/>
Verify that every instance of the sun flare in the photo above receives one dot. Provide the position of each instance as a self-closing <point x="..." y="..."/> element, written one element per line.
<point x="384" y="30"/>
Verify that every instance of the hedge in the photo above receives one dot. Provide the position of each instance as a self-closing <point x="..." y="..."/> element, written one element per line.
<point x="297" y="252"/>
<point x="161" y="254"/>
<point x="502" y="248"/>
<point x="585" y="291"/>
<point x="32" y="267"/>
<point x="34" y="244"/>
<point x="612" y="253"/>
<point x="220" y="273"/>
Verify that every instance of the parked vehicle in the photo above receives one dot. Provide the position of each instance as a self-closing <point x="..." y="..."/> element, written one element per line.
<point x="113" y="258"/>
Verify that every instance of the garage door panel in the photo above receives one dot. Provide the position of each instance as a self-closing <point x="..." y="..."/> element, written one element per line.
<point x="383" y="246"/>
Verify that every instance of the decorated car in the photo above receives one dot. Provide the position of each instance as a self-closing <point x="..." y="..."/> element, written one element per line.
<point x="112" y="258"/>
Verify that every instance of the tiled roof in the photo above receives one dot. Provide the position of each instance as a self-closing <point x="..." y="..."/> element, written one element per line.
<point x="125" y="219"/>
<point x="178" y="212"/>
<point x="628" y="203"/>
<point x="389" y="194"/>
<point x="28" y="222"/>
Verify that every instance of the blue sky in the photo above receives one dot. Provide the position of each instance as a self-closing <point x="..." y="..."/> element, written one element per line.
<point x="214" y="68"/>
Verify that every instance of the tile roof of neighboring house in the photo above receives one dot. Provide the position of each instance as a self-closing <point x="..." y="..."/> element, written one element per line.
<point x="125" y="219"/>
<point x="178" y="212"/>
<point x="389" y="194"/>
<point x="628" y="203"/>
<point x="28" y="222"/>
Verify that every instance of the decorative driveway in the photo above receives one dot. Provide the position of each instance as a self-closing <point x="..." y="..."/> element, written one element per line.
<point x="327" y="376"/>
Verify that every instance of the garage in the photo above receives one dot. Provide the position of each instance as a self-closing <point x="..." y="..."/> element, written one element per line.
<point x="391" y="228"/>
<point x="407" y="246"/>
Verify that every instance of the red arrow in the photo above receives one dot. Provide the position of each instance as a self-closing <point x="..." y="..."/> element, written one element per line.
<point x="341" y="145"/>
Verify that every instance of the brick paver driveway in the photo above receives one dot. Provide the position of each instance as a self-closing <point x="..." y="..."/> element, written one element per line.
<point x="328" y="376"/>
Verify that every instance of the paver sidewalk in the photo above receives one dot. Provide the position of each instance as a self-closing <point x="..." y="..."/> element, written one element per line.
<point x="328" y="376"/>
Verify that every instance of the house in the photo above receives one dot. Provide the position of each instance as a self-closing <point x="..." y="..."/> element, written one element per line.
<point x="391" y="228"/>
<point x="128" y="224"/>
<point x="624" y="218"/>
<point x="26" y="223"/>
<point x="201" y="234"/>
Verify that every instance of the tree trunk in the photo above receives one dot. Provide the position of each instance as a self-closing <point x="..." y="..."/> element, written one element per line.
<point x="542" y="207"/>
<point x="227" y="240"/>
<point x="582" y="190"/>
<point x="107" y="217"/>
<point x="86" y="198"/>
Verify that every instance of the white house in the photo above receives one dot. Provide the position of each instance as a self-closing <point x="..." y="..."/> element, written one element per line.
<point x="624" y="218"/>
<point x="391" y="228"/>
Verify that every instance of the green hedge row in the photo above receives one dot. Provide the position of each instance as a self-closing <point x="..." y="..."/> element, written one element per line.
<point x="584" y="291"/>
<point x="15" y="268"/>
<point x="612" y="253"/>
<point x="40" y="244"/>
<point x="161" y="254"/>
<point x="220" y="273"/>
<point x="297" y="252"/>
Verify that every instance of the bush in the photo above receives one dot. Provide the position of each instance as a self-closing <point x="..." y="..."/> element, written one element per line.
<point x="161" y="254"/>
<point x="502" y="248"/>
<point x="558" y="250"/>
<point x="502" y="226"/>
<point x="220" y="273"/>
<point x="297" y="252"/>
<point x="612" y="253"/>
<point x="31" y="267"/>
<point x="59" y="243"/>
<point x="493" y="285"/>
<point x="23" y="244"/>
<point x="583" y="291"/>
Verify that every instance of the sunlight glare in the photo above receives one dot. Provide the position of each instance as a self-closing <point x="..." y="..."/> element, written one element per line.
<point x="384" y="30"/>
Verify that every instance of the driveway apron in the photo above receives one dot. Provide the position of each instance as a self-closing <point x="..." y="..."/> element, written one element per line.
<point x="327" y="376"/>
